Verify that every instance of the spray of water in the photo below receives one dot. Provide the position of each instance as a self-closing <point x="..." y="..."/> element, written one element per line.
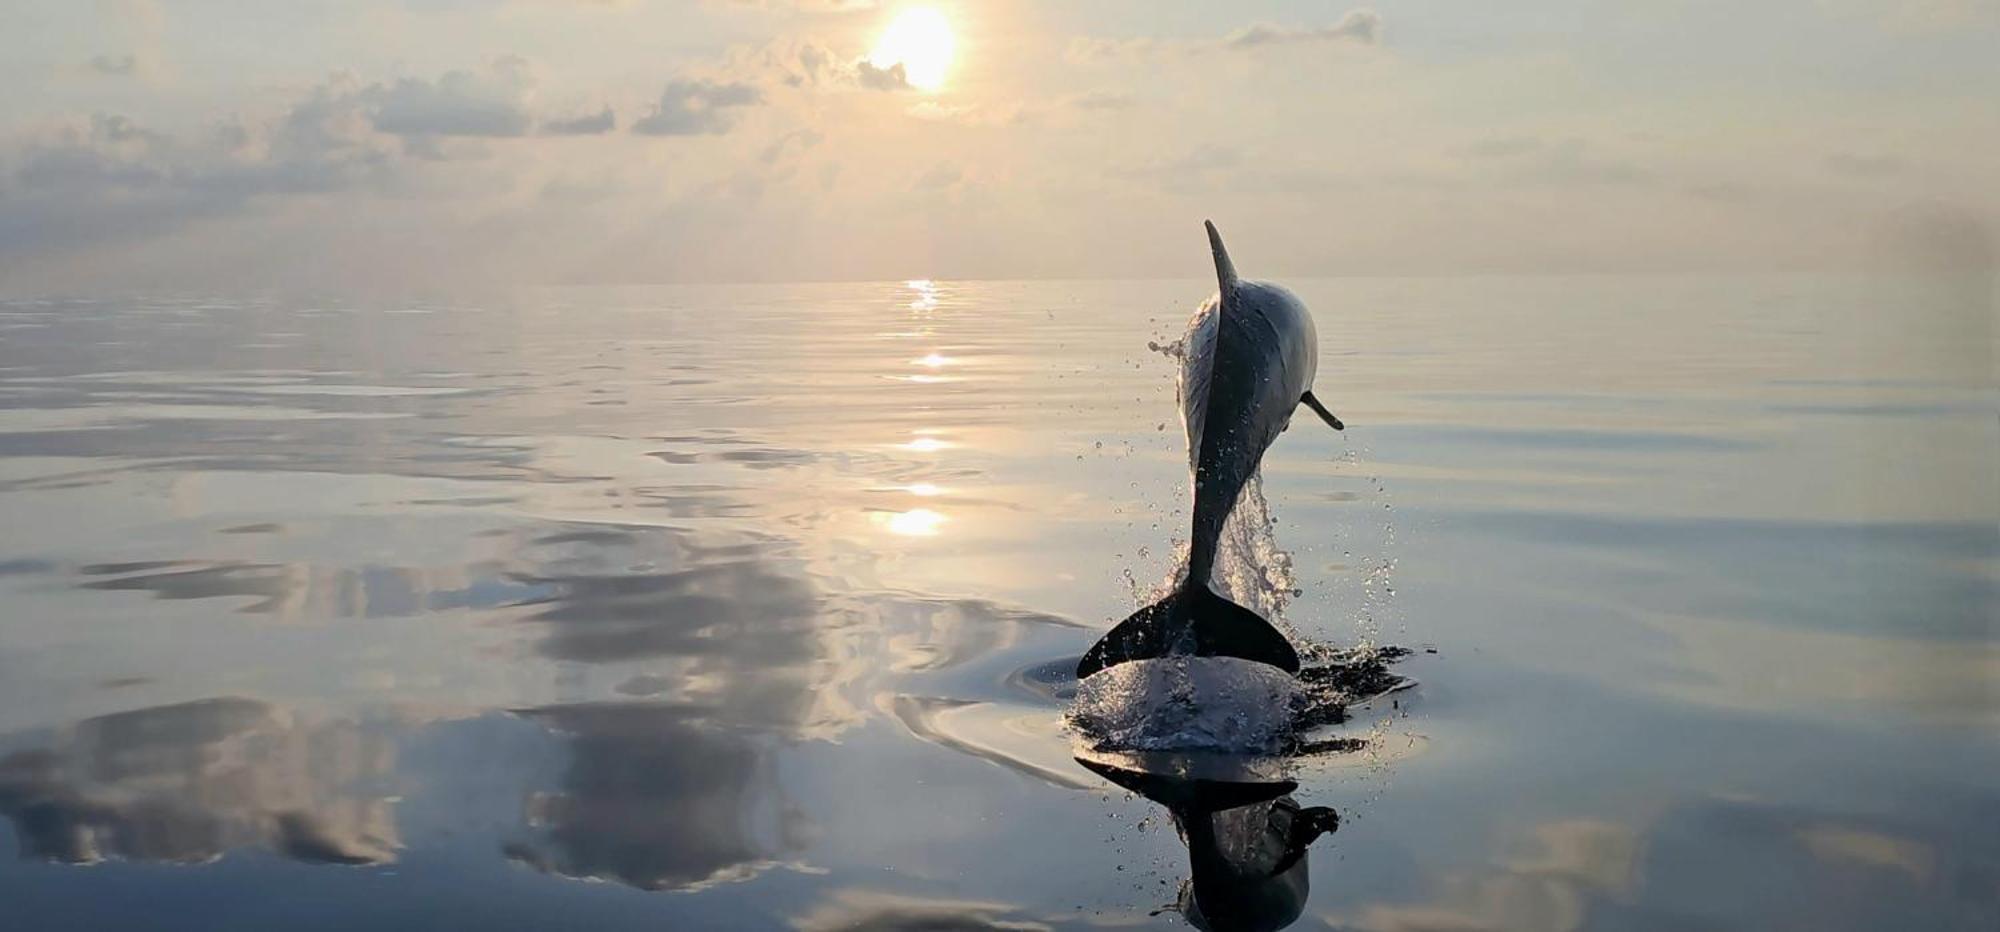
<point x="1251" y="569"/>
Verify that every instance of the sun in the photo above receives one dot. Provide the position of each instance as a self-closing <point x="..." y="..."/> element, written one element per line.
<point x="920" y="40"/>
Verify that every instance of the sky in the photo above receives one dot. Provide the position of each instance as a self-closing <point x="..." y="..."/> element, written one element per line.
<point x="220" y="145"/>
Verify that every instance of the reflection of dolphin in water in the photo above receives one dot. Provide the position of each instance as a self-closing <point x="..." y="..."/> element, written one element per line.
<point x="1246" y="842"/>
<point x="1250" y="356"/>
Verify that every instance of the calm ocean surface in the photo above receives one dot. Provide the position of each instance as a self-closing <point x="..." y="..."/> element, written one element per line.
<point x="737" y="607"/>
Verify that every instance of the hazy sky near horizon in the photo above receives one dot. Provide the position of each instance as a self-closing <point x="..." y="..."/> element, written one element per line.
<point x="223" y="144"/>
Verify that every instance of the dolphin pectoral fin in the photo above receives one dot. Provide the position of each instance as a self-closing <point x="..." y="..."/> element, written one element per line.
<point x="1323" y="413"/>
<point x="1307" y="826"/>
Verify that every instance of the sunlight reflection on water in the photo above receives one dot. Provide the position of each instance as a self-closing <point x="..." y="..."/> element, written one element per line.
<point x="697" y="589"/>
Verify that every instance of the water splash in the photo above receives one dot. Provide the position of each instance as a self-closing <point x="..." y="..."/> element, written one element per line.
<point x="1225" y="704"/>
<point x="1372" y="564"/>
<point x="1186" y="703"/>
<point x="1252" y="570"/>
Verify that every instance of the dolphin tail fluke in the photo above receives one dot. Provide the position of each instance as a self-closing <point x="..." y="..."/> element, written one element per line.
<point x="1220" y="628"/>
<point x="1191" y="795"/>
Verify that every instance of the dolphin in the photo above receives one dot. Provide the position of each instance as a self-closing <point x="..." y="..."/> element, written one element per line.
<point x="1251" y="353"/>
<point x="1246" y="841"/>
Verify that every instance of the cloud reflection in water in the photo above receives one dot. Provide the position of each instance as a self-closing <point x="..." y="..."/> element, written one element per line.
<point x="186" y="783"/>
<point x="655" y="799"/>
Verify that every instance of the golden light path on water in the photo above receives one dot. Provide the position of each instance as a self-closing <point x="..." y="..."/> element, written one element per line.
<point x="917" y="522"/>
<point x="920" y="522"/>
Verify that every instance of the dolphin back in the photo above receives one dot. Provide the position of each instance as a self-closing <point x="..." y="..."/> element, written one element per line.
<point x="1250" y="356"/>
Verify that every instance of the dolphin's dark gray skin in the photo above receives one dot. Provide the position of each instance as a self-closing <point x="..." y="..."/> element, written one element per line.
<point x="1246" y="845"/>
<point x="1251" y="353"/>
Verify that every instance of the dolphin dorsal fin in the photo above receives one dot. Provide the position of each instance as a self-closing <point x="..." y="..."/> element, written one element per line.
<point x="1225" y="270"/>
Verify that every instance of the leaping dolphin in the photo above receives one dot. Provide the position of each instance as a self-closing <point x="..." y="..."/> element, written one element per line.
<point x="1251" y="352"/>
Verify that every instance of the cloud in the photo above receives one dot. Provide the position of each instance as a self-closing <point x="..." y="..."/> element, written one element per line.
<point x="1362" y="26"/>
<point x="698" y="107"/>
<point x="142" y="64"/>
<point x="1860" y="165"/>
<point x="797" y="140"/>
<point x="720" y="615"/>
<point x="111" y="189"/>
<point x="940" y="176"/>
<point x="493" y="103"/>
<point x="107" y="179"/>
<point x="1813" y="869"/>
<point x="797" y="62"/>
<point x="652" y="799"/>
<point x="318" y="143"/>
<point x="1358" y="27"/>
<point x="1943" y="239"/>
<point x="743" y="626"/>
<point x="112" y="151"/>
<point x="993" y="114"/>
<point x="1102" y="100"/>
<point x="187" y="783"/>
<point x="808" y="6"/>
<point x="1201" y="168"/>
<point x="1529" y="160"/>
<point x="1210" y="169"/>
<point x="451" y="6"/>
<point x="805" y="63"/>
<point x="892" y="78"/>
<point x="850" y="908"/>
<point x="1021" y="112"/>
<point x="1083" y="49"/>
<point x="1572" y="163"/>
<point x="1500" y="147"/>
<point x="603" y="121"/>
<point x="120" y="66"/>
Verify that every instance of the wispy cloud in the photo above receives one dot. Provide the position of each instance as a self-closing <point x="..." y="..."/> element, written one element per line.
<point x="1360" y="26"/>
<point x="796" y="141"/>
<point x="1862" y="165"/>
<point x="1197" y="169"/>
<point x="1566" y="162"/>
<point x="590" y="124"/>
<point x="493" y="102"/>
<point x="939" y="177"/>
<point x="806" y="6"/>
<point x="1102" y="100"/>
<point x="697" y="108"/>
<point x="803" y="62"/>
<point x="1357" y="27"/>
<point x="892" y="78"/>
<point x="123" y="66"/>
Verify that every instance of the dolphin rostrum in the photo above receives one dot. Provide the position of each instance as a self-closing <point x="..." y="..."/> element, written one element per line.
<point x="1250" y="356"/>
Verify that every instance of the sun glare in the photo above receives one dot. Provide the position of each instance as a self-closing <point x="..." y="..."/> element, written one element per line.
<point x="917" y="522"/>
<point x="920" y="40"/>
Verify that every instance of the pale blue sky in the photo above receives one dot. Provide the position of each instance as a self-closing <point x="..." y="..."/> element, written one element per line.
<point x="217" y="144"/>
